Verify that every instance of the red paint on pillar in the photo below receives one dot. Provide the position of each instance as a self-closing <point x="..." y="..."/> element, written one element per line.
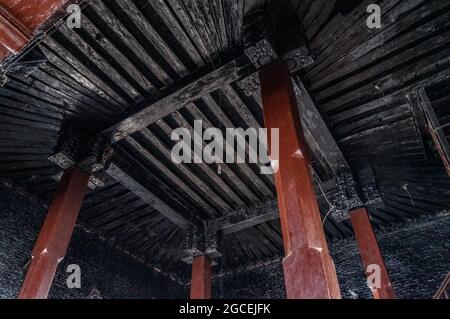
<point x="54" y="238"/>
<point x="370" y="252"/>
<point x="308" y="268"/>
<point x="201" y="278"/>
<point x="13" y="35"/>
<point x="32" y="13"/>
<point x="20" y="18"/>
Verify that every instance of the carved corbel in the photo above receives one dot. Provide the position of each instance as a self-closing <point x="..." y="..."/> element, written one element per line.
<point x="347" y="198"/>
<point x="265" y="44"/>
<point x="351" y="195"/>
<point x="205" y="244"/>
<point x="75" y="147"/>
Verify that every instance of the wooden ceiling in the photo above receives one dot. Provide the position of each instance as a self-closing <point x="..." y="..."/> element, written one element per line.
<point x="128" y="51"/>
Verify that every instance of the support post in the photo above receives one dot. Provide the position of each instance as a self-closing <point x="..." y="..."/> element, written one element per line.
<point x="201" y="278"/>
<point x="308" y="268"/>
<point x="370" y="252"/>
<point x="53" y="240"/>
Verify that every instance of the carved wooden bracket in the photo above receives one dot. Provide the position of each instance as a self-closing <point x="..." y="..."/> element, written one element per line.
<point x="264" y="44"/>
<point x="205" y="244"/>
<point x="352" y="196"/>
<point x="76" y="147"/>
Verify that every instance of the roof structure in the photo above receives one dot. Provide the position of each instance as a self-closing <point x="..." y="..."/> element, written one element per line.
<point x="179" y="61"/>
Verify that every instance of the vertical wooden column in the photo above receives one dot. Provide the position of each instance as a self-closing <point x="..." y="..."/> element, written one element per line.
<point x="308" y="268"/>
<point x="53" y="240"/>
<point x="370" y="252"/>
<point x="201" y="278"/>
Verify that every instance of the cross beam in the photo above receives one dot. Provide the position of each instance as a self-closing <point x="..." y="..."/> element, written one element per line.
<point x="244" y="219"/>
<point x="123" y="172"/>
<point x="179" y="95"/>
<point x="253" y="216"/>
<point x="232" y="68"/>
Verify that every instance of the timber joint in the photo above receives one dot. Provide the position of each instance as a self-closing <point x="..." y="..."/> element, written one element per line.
<point x="198" y="244"/>
<point x="265" y="43"/>
<point x="75" y="147"/>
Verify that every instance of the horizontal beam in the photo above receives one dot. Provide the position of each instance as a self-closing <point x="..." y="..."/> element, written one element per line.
<point x="243" y="219"/>
<point x="254" y="216"/>
<point x="251" y="222"/>
<point x="179" y="95"/>
<point x="122" y="174"/>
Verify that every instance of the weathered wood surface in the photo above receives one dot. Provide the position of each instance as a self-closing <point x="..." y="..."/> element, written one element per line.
<point x="359" y="83"/>
<point x="175" y="98"/>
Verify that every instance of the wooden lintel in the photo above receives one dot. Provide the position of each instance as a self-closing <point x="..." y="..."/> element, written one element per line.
<point x="179" y="95"/>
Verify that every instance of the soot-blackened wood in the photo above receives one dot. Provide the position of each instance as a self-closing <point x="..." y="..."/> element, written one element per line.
<point x="320" y="139"/>
<point x="13" y="35"/>
<point x="124" y="173"/>
<point x="248" y="223"/>
<point x="370" y="252"/>
<point x="201" y="278"/>
<point x="308" y="267"/>
<point x="246" y="218"/>
<point x="178" y="96"/>
<point x="53" y="240"/>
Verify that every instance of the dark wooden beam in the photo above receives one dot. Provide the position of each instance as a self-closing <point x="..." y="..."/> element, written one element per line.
<point x="122" y="173"/>
<point x="53" y="240"/>
<point x="231" y="228"/>
<point x="253" y="216"/>
<point x="244" y="219"/>
<point x="179" y="95"/>
<point x="317" y="133"/>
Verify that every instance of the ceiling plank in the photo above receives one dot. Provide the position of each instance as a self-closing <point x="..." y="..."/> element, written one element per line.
<point x="122" y="175"/>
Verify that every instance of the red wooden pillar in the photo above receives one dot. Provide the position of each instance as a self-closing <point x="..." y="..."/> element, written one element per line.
<point x="308" y="268"/>
<point x="370" y="252"/>
<point x="19" y="19"/>
<point x="53" y="240"/>
<point x="201" y="278"/>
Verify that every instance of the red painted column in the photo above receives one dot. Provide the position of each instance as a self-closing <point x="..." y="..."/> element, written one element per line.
<point x="13" y="35"/>
<point x="370" y="252"/>
<point x="308" y="268"/>
<point x="53" y="240"/>
<point x="201" y="278"/>
<point x="20" y="18"/>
